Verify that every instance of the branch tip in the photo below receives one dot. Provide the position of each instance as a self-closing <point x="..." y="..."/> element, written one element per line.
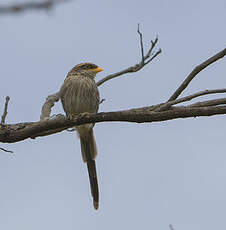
<point x="5" y="150"/>
<point x="141" y="43"/>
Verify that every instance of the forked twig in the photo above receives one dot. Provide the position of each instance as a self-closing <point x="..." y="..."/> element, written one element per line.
<point x="146" y="59"/>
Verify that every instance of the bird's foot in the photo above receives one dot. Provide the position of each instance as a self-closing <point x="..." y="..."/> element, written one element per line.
<point x="70" y="117"/>
<point x="82" y="115"/>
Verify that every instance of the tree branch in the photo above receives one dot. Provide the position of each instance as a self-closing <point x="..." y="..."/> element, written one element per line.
<point x="22" y="131"/>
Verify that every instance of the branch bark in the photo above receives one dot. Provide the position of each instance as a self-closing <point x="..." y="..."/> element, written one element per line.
<point x="22" y="131"/>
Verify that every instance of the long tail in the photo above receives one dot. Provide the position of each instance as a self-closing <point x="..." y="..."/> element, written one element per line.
<point x="89" y="152"/>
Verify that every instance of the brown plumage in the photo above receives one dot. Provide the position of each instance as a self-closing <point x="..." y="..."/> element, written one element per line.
<point x="79" y="94"/>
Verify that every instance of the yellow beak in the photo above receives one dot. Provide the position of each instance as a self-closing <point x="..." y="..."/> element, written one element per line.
<point x="97" y="70"/>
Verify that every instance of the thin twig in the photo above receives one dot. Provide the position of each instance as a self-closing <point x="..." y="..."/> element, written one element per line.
<point x="131" y="69"/>
<point x="5" y="150"/>
<point x="5" y="110"/>
<point x="213" y="102"/>
<point x="141" y="43"/>
<point x="155" y="55"/>
<point x="171" y="227"/>
<point x="188" y="98"/>
<point x="195" y="71"/>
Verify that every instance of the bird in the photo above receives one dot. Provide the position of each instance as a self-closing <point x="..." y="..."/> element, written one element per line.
<point x="79" y="94"/>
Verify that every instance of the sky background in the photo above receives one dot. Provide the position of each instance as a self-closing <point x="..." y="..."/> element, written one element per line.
<point x="150" y="175"/>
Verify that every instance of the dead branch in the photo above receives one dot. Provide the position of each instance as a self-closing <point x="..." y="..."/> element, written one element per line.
<point x="5" y="110"/>
<point x="22" y="131"/>
<point x="27" y="6"/>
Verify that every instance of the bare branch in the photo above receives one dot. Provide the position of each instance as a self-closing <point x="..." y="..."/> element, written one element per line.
<point x="22" y="131"/>
<point x="171" y="227"/>
<point x="5" y="150"/>
<point x="21" y="7"/>
<point x="195" y="71"/>
<point x="5" y="110"/>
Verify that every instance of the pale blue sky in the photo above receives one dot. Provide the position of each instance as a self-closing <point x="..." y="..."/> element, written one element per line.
<point x="150" y="175"/>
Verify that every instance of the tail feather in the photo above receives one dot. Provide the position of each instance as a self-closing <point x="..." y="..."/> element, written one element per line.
<point x="89" y="152"/>
<point x="91" y="165"/>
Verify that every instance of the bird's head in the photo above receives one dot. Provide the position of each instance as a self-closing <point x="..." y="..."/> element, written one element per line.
<point x="89" y="69"/>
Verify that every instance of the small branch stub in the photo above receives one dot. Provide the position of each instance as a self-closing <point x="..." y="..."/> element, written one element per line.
<point x="5" y="110"/>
